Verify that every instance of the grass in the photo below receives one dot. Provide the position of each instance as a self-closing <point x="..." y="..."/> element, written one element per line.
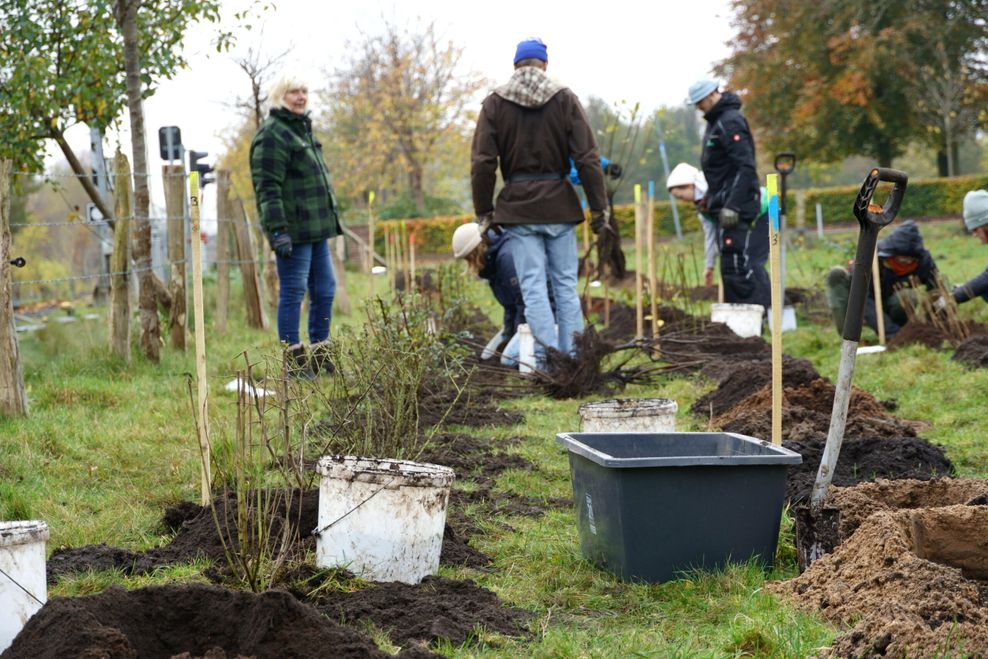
<point x="108" y="446"/>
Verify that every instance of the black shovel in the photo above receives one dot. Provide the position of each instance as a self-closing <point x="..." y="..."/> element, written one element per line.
<point x="872" y="218"/>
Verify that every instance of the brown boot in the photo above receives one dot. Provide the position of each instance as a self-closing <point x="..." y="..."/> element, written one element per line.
<point x="321" y="362"/>
<point x="297" y="363"/>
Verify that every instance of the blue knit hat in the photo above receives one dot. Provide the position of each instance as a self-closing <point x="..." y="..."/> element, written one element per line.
<point x="531" y="49"/>
<point x="700" y="89"/>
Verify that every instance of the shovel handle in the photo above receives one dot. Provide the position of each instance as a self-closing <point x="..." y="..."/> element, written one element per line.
<point x="872" y="218"/>
<point x="880" y="216"/>
<point x="785" y="163"/>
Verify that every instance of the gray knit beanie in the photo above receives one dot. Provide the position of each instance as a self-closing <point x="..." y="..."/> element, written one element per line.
<point x="975" y="209"/>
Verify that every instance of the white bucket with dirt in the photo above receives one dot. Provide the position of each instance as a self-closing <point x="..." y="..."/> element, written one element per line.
<point x="744" y="319"/>
<point x="382" y="519"/>
<point x="629" y="415"/>
<point x="23" y="580"/>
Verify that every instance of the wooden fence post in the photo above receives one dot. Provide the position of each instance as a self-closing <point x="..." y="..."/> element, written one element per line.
<point x="120" y="260"/>
<point x="174" y="177"/>
<point x="247" y="256"/>
<point x="224" y="214"/>
<point x="13" y="396"/>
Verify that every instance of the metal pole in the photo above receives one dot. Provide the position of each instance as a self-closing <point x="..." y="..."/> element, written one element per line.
<point x="665" y="167"/>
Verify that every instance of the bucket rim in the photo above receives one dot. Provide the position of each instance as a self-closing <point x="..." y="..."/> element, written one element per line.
<point x="772" y="454"/>
<point x="23" y="532"/>
<point x="621" y="407"/>
<point x="737" y="306"/>
<point x="332" y="465"/>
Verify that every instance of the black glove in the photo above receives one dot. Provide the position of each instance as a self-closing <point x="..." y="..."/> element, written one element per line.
<point x="598" y="220"/>
<point x="613" y="170"/>
<point x="728" y="218"/>
<point x="281" y="243"/>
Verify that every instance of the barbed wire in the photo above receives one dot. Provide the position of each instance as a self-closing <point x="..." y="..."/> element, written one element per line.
<point x="130" y="271"/>
<point x="132" y="218"/>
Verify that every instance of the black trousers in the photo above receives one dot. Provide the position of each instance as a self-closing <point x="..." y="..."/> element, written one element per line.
<point x="743" y="254"/>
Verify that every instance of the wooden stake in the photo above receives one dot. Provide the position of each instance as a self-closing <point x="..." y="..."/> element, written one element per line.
<point x="404" y="255"/>
<point x="411" y="261"/>
<point x="247" y="254"/>
<point x="370" y="241"/>
<point x="775" y="253"/>
<point x="876" y="283"/>
<point x="386" y="228"/>
<point x="586" y="265"/>
<point x="639" y="310"/>
<point x="652" y="289"/>
<point x="200" y="332"/>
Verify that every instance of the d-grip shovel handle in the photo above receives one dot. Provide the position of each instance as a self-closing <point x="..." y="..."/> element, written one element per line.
<point x="872" y="218"/>
<point x="785" y="163"/>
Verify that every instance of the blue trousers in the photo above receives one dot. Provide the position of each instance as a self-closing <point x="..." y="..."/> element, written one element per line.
<point x="308" y="269"/>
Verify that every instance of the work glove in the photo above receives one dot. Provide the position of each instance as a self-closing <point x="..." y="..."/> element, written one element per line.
<point x="598" y="220"/>
<point x="728" y="218"/>
<point x="281" y="243"/>
<point x="613" y="170"/>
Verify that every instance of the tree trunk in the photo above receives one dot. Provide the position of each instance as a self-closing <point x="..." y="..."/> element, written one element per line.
<point x="174" y="176"/>
<point x="13" y="395"/>
<point x="415" y="178"/>
<point x="224" y="214"/>
<point x="150" y="322"/>
<point x="84" y="177"/>
<point x="119" y="262"/>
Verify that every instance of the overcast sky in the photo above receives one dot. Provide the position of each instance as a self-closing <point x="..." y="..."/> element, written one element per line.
<point x="647" y="52"/>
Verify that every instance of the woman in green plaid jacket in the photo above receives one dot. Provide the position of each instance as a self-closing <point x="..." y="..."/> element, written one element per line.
<point x="298" y="212"/>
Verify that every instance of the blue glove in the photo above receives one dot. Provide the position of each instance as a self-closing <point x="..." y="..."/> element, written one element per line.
<point x="281" y="243"/>
<point x="728" y="218"/>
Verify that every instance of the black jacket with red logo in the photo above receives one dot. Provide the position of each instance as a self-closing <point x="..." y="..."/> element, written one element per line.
<point x="728" y="161"/>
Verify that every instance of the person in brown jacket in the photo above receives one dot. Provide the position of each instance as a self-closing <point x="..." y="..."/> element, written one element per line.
<point x="532" y="127"/>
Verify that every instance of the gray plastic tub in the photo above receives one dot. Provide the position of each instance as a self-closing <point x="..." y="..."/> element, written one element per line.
<point x="650" y="506"/>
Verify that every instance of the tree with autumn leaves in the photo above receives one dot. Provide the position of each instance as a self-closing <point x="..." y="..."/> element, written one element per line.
<point x="849" y="77"/>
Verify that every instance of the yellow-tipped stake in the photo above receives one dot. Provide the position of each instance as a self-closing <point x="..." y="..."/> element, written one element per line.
<point x="775" y="253"/>
<point x="652" y="288"/>
<point x="370" y="241"/>
<point x="639" y="309"/>
<point x="200" y="332"/>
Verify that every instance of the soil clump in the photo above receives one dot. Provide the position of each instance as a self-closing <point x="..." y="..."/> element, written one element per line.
<point x="973" y="352"/>
<point x="737" y="380"/>
<point x="191" y="620"/>
<point x="437" y="608"/>
<point x="911" y="582"/>
<point x="692" y="343"/>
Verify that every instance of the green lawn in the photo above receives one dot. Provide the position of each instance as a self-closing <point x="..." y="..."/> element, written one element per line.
<point x="108" y="446"/>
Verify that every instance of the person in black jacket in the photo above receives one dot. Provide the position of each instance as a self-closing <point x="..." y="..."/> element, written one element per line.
<point x="902" y="261"/>
<point x="976" y="221"/>
<point x="732" y="197"/>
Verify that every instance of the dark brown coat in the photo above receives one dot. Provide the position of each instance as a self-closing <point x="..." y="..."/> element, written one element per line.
<point x="535" y="141"/>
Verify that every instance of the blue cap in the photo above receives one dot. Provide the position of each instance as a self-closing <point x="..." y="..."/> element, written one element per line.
<point x="701" y="89"/>
<point x="531" y="49"/>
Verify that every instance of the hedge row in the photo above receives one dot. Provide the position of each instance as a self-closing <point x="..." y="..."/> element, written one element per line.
<point x="924" y="198"/>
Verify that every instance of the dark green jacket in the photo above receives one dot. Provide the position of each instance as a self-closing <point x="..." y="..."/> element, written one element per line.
<point x="291" y="181"/>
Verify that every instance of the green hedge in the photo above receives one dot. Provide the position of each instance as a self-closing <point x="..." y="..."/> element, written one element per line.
<point x="924" y="198"/>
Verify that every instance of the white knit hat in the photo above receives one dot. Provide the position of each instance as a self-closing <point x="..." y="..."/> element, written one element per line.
<point x="681" y="174"/>
<point x="975" y="209"/>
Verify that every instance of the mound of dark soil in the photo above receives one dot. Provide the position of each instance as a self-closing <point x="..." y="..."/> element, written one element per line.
<point x="806" y="415"/>
<point x="909" y="583"/>
<point x="736" y="380"/>
<point x="166" y="621"/>
<point x="623" y="319"/>
<point x="865" y="459"/>
<point x="935" y="336"/>
<point x="973" y="352"/>
<point x="437" y="608"/>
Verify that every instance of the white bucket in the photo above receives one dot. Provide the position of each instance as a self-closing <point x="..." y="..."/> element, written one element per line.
<point x="744" y="319"/>
<point x="788" y="319"/>
<point x="382" y="519"/>
<point x="629" y="415"/>
<point x="23" y="583"/>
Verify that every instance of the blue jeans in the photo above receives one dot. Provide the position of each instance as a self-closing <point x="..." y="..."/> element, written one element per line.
<point x="309" y="268"/>
<point x="544" y="251"/>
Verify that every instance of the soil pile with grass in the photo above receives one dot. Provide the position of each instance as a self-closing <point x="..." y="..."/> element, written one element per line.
<point x="689" y="345"/>
<point x="973" y="352"/>
<point x="191" y="620"/>
<point x="936" y="335"/>
<point x="437" y="608"/>
<point x="737" y="380"/>
<point x="911" y="582"/>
